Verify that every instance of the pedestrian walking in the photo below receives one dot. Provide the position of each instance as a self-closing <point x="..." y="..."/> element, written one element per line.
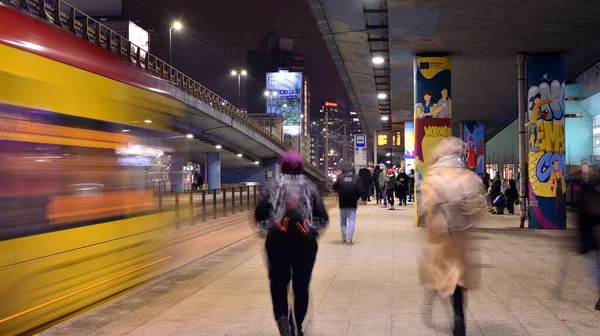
<point x="349" y="190"/>
<point x="401" y="186"/>
<point x="411" y="186"/>
<point x="390" y="188"/>
<point x="377" y="187"/>
<point x="292" y="213"/>
<point x="382" y="184"/>
<point x="452" y="204"/>
<point x="365" y="180"/>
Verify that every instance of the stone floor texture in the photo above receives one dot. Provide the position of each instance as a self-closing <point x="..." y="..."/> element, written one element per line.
<point x="532" y="284"/>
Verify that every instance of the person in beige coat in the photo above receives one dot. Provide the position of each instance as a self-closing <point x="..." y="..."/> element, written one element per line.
<point x="452" y="203"/>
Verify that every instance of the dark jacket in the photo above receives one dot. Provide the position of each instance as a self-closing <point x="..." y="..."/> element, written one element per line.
<point x="375" y="176"/>
<point x="365" y="178"/>
<point x="349" y="188"/>
<point x="402" y="181"/>
<point x="390" y="182"/>
<point x="589" y="217"/>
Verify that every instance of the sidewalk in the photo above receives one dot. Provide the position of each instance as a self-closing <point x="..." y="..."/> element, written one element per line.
<point x="370" y="288"/>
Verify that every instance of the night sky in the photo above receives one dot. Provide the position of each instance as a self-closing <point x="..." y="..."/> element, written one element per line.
<point x="229" y="28"/>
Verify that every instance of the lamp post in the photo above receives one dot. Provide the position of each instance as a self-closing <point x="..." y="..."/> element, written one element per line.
<point x="239" y="74"/>
<point x="177" y="25"/>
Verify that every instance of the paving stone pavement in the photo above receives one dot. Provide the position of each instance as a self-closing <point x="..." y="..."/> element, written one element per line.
<point x="532" y="284"/>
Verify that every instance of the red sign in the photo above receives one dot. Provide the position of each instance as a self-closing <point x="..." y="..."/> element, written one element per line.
<point x="331" y="104"/>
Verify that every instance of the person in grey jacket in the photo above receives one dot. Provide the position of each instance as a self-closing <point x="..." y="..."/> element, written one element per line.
<point x="382" y="179"/>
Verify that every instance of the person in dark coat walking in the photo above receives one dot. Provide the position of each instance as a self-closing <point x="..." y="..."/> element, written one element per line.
<point x="401" y="186"/>
<point x="291" y="211"/>
<point x="390" y="187"/>
<point x="411" y="186"/>
<point x="589" y="218"/>
<point x="376" y="172"/>
<point x="366" y="180"/>
<point x="349" y="190"/>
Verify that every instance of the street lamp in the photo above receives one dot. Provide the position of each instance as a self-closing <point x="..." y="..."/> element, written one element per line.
<point x="177" y="25"/>
<point x="239" y="74"/>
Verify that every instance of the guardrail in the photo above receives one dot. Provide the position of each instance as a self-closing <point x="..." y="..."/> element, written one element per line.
<point x="193" y="206"/>
<point x="66" y="16"/>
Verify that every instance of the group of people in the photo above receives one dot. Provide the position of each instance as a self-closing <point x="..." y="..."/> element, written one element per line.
<point x="292" y="213"/>
<point x="500" y="194"/>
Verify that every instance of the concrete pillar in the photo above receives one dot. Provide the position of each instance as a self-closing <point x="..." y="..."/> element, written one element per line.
<point x="214" y="171"/>
<point x="273" y="168"/>
<point x="472" y="133"/>
<point x="176" y="173"/>
<point x="546" y="141"/>
<point x="433" y="112"/>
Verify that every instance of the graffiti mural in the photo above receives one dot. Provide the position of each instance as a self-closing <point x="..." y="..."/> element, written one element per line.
<point x="475" y="155"/>
<point x="546" y="134"/>
<point x="433" y="113"/>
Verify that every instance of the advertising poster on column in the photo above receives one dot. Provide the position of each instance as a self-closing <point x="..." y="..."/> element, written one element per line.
<point x="475" y="155"/>
<point x="284" y="96"/>
<point x="546" y="137"/>
<point x="433" y="113"/>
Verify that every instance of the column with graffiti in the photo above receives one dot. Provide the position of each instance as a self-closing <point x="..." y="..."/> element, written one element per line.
<point x="475" y="155"/>
<point x="546" y="141"/>
<point x="433" y="110"/>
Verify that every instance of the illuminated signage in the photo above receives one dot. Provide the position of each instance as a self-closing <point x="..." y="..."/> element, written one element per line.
<point x="389" y="139"/>
<point x="288" y="101"/>
<point x="331" y="104"/>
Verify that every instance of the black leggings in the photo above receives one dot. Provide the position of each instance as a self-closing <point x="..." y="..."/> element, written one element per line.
<point x="390" y="196"/>
<point x="290" y="261"/>
<point x="458" y="302"/>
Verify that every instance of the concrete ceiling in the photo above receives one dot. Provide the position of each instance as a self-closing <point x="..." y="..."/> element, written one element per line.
<point x="481" y="37"/>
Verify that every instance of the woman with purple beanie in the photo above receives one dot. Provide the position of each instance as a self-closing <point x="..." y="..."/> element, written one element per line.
<point x="292" y="213"/>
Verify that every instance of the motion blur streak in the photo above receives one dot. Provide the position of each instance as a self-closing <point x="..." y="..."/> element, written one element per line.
<point x="80" y="219"/>
<point x="81" y="290"/>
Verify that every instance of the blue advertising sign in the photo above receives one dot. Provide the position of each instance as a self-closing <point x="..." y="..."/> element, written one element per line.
<point x="284" y="96"/>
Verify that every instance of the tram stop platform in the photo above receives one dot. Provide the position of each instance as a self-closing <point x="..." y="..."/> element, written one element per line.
<point x="532" y="283"/>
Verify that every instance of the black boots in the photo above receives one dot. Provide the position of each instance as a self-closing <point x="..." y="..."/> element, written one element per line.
<point x="597" y="306"/>
<point x="284" y="326"/>
<point x="459" y="327"/>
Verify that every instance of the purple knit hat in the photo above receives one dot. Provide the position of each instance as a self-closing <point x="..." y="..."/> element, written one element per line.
<point x="291" y="163"/>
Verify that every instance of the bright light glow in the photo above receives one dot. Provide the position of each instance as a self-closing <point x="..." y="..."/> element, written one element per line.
<point x="388" y="161"/>
<point x="274" y="93"/>
<point x="331" y="151"/>
<point x="256" y="162"/>
<point x="219" y="146"/>
<point x="125" y="131"/>
<point x="382" y="95"/>
<point x="177" y="25"/>
<point x="385" y="118"/>
<point x="148" y="121"/>
<point x="324" y="129"/>
<point x="284" y="105"/>
<point x="244" y="72"/>
<point x="239" y="155"/>
<point x="314" y="122"/>
<point x="190" y="136"/>
<point x="378" y="60"/>
<point x="233" y="73"/>
<point x="352" y="113"/>
<point x="138" y="150"/>
<point x="355" y="119"/>
<point x="223" y="103"/>
<point x="266" y="93"/>
<point x="388" y="154"/>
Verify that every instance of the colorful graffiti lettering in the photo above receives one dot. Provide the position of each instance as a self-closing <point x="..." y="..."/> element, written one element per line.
<point x="546" y="113"/>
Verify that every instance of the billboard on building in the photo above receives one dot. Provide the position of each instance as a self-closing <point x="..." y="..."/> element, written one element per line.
<point x="138" y="36"/>
<point x="285" y="96"/>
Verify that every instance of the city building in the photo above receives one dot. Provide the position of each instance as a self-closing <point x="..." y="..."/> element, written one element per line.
<point x="274" y="53"/>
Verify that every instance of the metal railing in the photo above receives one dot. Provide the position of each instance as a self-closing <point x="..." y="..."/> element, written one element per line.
<point x="194" y="206"/>
<point x="64" y="15"/>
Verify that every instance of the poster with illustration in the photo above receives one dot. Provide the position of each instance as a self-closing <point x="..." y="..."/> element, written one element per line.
<point x="475" y="154"/>
<point x="546" y="136"/>
<point x="433" y="112"/>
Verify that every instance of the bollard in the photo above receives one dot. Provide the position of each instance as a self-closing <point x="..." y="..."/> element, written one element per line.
<point x="241" y="198"/>
<point x="214" y="203"/>
<point x="254" y="191"/>
<point x="177" y="211"/>
<point x="233" y="200"/>
<point x="203" y="206"/>
<point x="191" y="207"/>
<point x="248" y="197"/>
<point x="224" y="192"/>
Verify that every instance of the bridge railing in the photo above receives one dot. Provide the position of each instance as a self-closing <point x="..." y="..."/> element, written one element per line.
<point x="66" y="16"/>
